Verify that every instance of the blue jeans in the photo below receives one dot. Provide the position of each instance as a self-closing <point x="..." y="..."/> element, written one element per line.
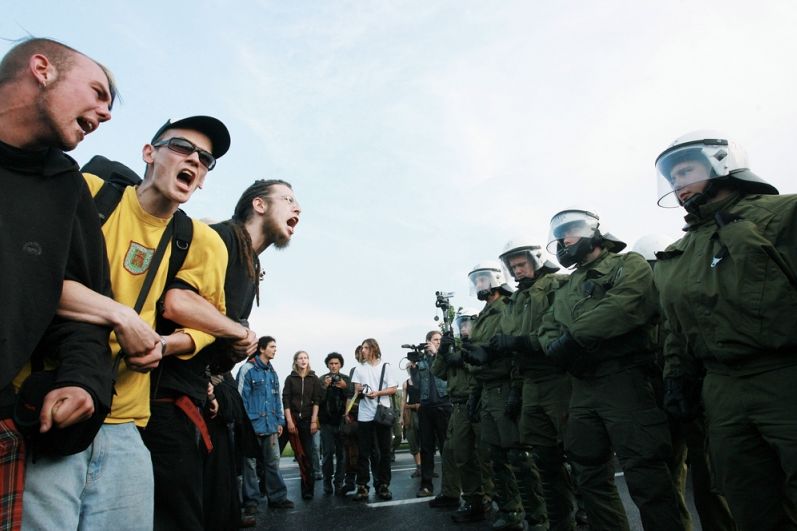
<point x="105" y="486"/>
<point x="275" y="486"/>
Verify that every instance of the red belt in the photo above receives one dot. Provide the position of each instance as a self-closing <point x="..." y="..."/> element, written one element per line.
<point x="189" y="408"/>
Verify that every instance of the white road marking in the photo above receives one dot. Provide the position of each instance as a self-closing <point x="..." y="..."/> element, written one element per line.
<point x="398" y="502"/>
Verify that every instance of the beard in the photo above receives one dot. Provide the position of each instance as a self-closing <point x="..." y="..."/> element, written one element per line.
<point x="274" y="233"/>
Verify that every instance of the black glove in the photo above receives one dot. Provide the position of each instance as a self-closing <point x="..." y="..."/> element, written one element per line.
<point x="722" y="218"/>
<point x="682" y="397"/>
<point x="472" y="406"/>
<point x="505" y="343"/>
<point x="446" y="343"/>
<point x="514" y="401"/>
<point x="476" y="355"/>
<point x="564" y="350"/>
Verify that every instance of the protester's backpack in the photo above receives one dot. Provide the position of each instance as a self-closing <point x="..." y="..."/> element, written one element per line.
<point x="117" y="177"/>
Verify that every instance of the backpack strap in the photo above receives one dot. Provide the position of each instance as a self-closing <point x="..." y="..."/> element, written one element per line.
<point x="107" y="199"/>
<point x="181" y="242"/>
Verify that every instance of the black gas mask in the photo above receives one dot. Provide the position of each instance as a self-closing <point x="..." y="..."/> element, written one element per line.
<point x="574" y="254"/>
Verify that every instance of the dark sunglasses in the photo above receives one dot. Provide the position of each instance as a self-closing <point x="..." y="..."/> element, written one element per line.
<point x="186" y="147"/>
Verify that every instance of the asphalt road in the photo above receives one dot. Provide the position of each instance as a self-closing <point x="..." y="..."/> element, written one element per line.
<point x="404" y="512"/>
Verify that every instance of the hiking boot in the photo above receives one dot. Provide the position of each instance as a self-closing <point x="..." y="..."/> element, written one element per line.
<point x="469" y="513"/>
<point x="423" y="492"/>
<point x="384" y="493"/>
<point x="444" y="502"/>
<point x="361" y="494"/>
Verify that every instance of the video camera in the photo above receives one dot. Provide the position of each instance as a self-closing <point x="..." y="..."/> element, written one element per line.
<point x="443" y="300"/>
<point x="415" y="351"/>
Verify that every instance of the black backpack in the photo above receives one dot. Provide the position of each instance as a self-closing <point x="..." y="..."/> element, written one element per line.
<point x="117" y="177"/>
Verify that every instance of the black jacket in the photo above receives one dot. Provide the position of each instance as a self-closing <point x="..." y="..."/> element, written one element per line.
<point x="333" y="401"/>
<point x="49" y="231"/>
<point x="300" y="394"/>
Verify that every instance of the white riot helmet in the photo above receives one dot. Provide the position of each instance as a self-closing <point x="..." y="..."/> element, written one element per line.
<point x="536" y="256"/>
<point x="649" y="244"/>
<point x="464" y="321"/>
<point x="704" y="155"/>
<point x="487" y="276"/>
<point x="582" y="224"/>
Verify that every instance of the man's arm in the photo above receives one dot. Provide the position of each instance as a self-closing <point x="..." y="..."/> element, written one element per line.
<point x="140" y="343"/>
<point x="191" y="310"/>
<point x="203" y="272"/>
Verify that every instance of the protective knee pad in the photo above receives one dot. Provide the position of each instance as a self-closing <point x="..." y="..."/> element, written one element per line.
<point x="519" y="458"/>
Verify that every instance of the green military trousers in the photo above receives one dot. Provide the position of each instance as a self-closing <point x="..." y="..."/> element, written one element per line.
<point x="618" y="412"/>
<point x="542" y="422"/>
<point x="463" y="441"/>
<point x="752" y="434"/>
<point x="517" y="482"/>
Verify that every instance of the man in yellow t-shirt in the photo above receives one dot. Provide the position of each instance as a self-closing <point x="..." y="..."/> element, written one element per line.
<point x="112" y="481"/>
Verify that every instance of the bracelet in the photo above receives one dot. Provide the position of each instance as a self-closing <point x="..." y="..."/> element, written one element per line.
<point x="164" y="344"/>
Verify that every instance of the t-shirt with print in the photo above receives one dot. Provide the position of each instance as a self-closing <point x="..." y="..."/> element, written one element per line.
<point x="131" y="236"/>
<point x="367" y="374"/>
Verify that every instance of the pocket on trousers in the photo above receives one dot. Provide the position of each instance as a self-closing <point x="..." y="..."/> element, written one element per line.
<point x="649" y="435"/>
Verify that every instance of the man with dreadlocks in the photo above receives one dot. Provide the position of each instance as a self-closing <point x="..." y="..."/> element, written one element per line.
<point x="266" y="214"/>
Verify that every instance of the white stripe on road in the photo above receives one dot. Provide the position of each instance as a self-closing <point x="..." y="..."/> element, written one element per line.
<point x="398" y="502"/>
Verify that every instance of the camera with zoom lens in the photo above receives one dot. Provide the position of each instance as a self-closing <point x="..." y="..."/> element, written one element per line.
<point x="334" y="379"/>
<point x="415" y="351"/>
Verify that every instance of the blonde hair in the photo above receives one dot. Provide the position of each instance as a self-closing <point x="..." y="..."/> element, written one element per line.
<point x="296" y="357"/>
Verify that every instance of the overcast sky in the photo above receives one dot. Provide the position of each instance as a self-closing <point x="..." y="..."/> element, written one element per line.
<point x="420" y="136"/>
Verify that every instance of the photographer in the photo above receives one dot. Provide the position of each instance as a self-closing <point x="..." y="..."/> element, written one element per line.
<point x="433" y="417"/>
<point x="376" y="385"/>
<point x="334" y="391"/>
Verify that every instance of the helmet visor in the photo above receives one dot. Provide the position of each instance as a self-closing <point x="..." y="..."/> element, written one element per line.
<point x="573" y="224"/>
<point x="483" y="279"/>
<point x="687" y="165"/>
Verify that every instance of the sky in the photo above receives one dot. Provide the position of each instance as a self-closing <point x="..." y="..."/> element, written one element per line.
<point x="420" y="136"/>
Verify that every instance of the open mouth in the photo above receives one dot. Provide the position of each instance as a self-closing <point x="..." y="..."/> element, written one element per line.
<point x="186" y="177"/>
<point x="86" y="125"/>
<point x="292" y="222"/>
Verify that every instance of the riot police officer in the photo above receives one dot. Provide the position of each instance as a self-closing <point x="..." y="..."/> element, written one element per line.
<point x="495" y="387"/>
<point x="463" y="434"/>
<point x="599" y="330"/>
<point x="545" y="386"/>
<point x="729" y="298"/>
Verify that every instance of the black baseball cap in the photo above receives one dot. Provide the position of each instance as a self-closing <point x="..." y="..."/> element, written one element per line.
<point x="211" y="127"/>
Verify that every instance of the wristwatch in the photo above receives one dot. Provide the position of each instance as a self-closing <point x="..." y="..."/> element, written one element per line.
<point x="164" y="344"/>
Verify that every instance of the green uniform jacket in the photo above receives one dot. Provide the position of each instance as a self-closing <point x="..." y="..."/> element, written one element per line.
<point x="486" y="326"/>
<point x="523" y="316"/>
<point x="449" y="368"/>
<point x="740" y="316"/>
<point x="609" y="307"/>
